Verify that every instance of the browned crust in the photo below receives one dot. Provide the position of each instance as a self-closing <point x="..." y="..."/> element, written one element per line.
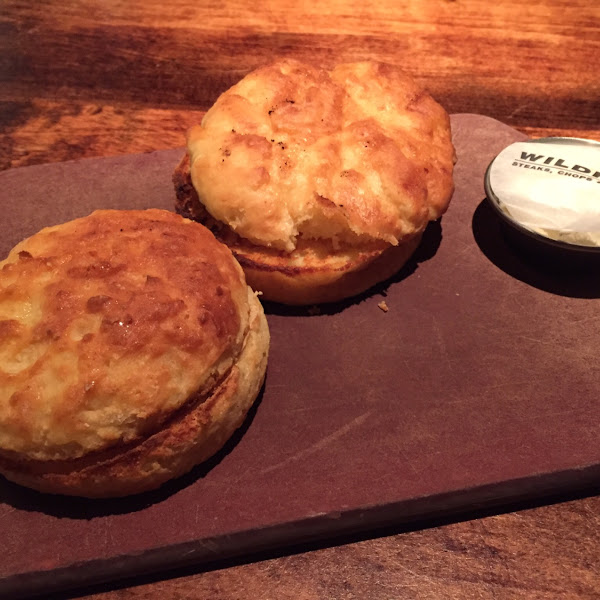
<point x="323" y="286"/>
<point x="356" y="154"/>
<point x="273" y="273"/>
<point x="126" y="361"/>
<point x="114" y="320"/>
<point x="192" y="434"/>
<point x="188" y="203"/>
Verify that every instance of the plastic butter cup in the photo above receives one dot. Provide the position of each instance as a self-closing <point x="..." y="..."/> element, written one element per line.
<point x="546" y="192"/>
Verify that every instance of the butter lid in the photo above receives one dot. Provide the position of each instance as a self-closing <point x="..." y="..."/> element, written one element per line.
<point x="549" y="188"/>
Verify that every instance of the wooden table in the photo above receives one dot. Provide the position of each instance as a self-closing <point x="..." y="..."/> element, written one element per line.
<point x="85" y="78"/>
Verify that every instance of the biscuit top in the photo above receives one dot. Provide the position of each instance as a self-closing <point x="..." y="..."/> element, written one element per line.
<point x="110" y="323"/>
<point x="359" y="154"/>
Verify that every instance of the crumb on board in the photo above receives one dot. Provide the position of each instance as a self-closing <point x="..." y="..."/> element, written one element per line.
<point x="314" y="310"/>
<point x="383" y="306"/>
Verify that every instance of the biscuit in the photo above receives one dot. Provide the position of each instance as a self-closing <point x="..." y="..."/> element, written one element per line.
<point x="131" y="348"/>
<point x="312" y="177"/>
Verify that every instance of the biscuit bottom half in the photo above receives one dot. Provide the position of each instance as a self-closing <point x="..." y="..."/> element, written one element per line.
<point x="194" y="433"/>
<point x="315" y="272"/>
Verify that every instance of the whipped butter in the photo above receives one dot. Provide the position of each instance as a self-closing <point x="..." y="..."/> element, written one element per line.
<point x="550" y="186"/>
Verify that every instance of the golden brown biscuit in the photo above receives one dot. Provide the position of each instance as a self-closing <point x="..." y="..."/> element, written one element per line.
<point x="302" y="171"/>
<point x="131" y="348"/>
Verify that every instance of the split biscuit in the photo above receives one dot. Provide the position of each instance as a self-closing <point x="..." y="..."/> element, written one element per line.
<point x="321" y="182"/>
<point x="131" y="348"/>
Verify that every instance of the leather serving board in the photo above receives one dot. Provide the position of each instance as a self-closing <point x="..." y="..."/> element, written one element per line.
<point x="479" y="385"/>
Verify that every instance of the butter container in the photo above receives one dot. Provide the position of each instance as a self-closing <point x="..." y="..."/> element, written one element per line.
<point x="547" y="194"/>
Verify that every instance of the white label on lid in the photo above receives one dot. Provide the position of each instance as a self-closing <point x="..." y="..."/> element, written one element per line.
<point x="552" y="187"/>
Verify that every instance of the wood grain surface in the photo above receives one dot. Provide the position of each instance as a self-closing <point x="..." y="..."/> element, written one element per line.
<point x="83" y="78"/>
<point x="548" y="553"/>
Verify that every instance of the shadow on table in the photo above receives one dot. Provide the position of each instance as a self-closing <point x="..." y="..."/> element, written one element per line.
<point x="432" y="237"/>
<point x="540" y="269"/>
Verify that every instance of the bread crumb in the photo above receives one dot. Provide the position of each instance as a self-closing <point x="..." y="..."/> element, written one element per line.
<point x="383" y="306"/>
<point x="314" y="310"/>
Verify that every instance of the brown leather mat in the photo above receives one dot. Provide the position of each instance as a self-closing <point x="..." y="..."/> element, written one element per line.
<point x="479" y="385"/>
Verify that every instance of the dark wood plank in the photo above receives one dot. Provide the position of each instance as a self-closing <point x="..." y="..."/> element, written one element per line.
<point x="429" y="425"/>
<point x="547" y="553"/>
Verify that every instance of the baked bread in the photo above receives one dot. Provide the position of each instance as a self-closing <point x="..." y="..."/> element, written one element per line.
<point x="131" y="348"/>
<point x="321" y="182"/>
